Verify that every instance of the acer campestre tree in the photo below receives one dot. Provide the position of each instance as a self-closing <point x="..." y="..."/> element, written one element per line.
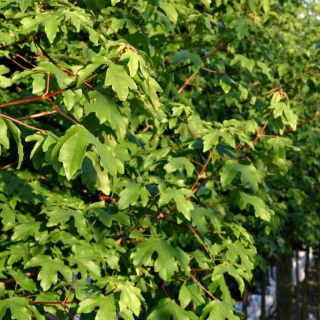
<point x="144" y="146"/>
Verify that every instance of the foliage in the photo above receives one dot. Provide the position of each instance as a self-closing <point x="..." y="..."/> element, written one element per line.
<point x="148" y="148"/>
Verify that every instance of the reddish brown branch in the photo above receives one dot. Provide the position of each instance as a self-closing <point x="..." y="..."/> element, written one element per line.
<point x="61" y="112"/>
<point x="33" y="38"/>
<point x="204" y="289"/>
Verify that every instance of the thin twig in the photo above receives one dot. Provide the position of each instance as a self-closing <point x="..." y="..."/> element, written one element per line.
<point x="38" y="115"/>
<point x="32" y="38"/>
<point x="24" y="124"/>
<point x="200" y="284"/>
<point x="61" y="112"/>
<point x="186" y="83"/>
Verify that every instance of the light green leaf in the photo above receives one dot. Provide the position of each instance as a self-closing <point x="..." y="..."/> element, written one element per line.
<point x="169" y="9"/>
<point x="218" y="310"/>
<point x="52" y="26"/>
<point x="261" y="209"/>
<point x="249" y="174"/>
<point x="191" y="292"/>
<point x="179" y="197"/>
<point x="86" y="260"/>
<point x="4" y="139"/>
<point x="174" y="164"/>
<point x="167" y="309"/>
<point x="19" y="308"/>
<point x="212" y="139"/>
<point x="73" y="150"/>
<point x="23" y="231"/>
<point x="130" y="297"/>
<point x="129" y="195"/>
<point x="106" y="304"/>
<point x="245" y="62"/>
<point x="48" y="274"/>
<point x="24" y="4"/>
<point x="16" y="133"/>
<point x="89" y="69"/>
<point x="23" y="280"/>
<point x="120" y="81"/>
<point x="168" y="257"/>
<point x="61" y="216"/>
<point x="207" y="3"/>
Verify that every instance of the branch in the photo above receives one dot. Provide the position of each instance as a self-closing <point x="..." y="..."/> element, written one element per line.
<point x="200" y="284"/>
<point x="24" y="124"/>
<point x="61" y="112"/>
<point x="33" y="38"/>
<point x="38" y="115"/>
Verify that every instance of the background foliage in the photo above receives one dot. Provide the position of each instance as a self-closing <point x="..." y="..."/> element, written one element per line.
<point x="151" y="151"/>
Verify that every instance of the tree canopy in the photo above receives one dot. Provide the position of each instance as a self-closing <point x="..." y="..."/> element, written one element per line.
<point x="152" y="149"/>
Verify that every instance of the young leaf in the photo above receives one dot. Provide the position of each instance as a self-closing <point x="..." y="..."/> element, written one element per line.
<point x="179" y="196"/>
<point x="129" y="195"/>
<point x="19" y="308"/>
<point x="260" y="208"/>
<point x="24" y="230"/>
<point x="191" y="292"/>
<point x="218" y="310"/>
<point x="106" y="304"/>
<point x="73" y="150"/>
<point x="177" y="163"/>
<point x="167" y="309"/>
<point x="16" y="133"/>
<point x="120" y="81"/>
<point x="168" y="257"/>
<point x="130" y="297"/>
<point x="23" y="280"/>
<point x="48" y="274"/>
<point x="86" y="260"/>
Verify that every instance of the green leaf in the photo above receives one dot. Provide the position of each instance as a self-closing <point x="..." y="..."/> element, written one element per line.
<point x="61" y="216"/>
<point x="179" y="196"/>
<point x="245" y="62"/>
<point x="23" y="280"/>
<point x="86" y="260"/>
<point x="236" y="250"/>
<point x="168" y="257"/>
<point x="16" y="133"/>
<point x="187" y="57"/>
<point x="4" y="139"/>
<point x="4" y="81"/>
<point x="212" y="139"/>
<point x="24" y="4"/>
<point x="167" y="309"/>
<point x="169" y="9"/>
<point x="129" y="195"/>
<point x="191" y="293"/>
<point x="120" y="81"/>
<point x="73" y="150"/>
<point x="177" y="163"/>
<point x="249" y="174"/>
<point x="130" y="297"/>
<point x="207" y="3"/>
<point x="261" y="209"/>
<point x="48" y="274"/>
<point x="19" y="308"/>
<point x="89" y="69"/>
<point x="219" y="280"/>
<point x="106" y="304"/>
<point x="24" y="230"/>
<point x="218" y="310"/>
<point x="52" y="26"/>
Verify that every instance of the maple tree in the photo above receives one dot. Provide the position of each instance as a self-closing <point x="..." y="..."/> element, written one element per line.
<point x="148" y="149"/>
